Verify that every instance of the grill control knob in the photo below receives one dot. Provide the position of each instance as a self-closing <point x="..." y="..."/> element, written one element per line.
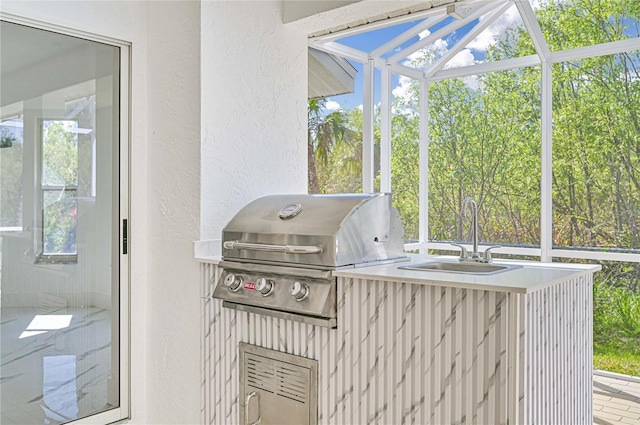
<point x="264" y="286"/>
<point x="232" y="282"/>
<point x="299" y="291"/>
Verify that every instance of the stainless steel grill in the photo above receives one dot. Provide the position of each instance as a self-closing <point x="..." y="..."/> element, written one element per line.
<point x="280" y="251"/>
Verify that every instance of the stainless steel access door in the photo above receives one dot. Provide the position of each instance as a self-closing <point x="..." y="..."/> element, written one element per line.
<point x="277" y="388"/>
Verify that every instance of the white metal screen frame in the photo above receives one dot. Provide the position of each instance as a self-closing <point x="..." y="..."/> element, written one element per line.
<point x="544" y="58"/>
<point x="121" y="169"/>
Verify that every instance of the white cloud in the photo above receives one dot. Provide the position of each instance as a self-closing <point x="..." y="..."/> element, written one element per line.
<point x="424" y="34"/>
<point x="463" y="58"/>
<point x="536" y="4"/>
<point x="440" y="44"/>
<point x="402" y="91"/>
<point x="480" y="43"/>
<point x="488" y="37"/>
<point x="472" y="82"/>
<point x="331" y="105"/>
<point x="485" y="39"/>
<point x="436" y="49"/>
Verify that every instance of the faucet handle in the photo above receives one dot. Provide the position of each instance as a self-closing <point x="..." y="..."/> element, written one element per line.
<point x="463" y="251"/>
<point x="487" y="253"/>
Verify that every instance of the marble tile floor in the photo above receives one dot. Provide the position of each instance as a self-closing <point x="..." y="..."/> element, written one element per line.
<point x="52" y="376"/>
<point x="616" y="399"/>
<point x="54" y="367"/>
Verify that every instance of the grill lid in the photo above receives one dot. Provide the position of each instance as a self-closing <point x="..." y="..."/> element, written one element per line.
<point x="322" y="230"/>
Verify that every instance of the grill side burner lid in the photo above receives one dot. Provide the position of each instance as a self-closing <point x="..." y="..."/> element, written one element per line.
<point x="318" y="230"/>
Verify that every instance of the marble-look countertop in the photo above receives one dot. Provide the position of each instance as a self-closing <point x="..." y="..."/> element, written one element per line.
<point x="531" y="276"/>
<point x="208" y="251"/>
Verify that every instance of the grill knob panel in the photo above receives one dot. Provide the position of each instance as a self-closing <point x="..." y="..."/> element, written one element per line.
<point x="232" y="282"/>
<point x="264" y="286"/>
<point x="299" y="291"/>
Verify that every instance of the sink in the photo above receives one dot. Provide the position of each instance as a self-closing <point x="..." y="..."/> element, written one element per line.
<point x="455" y="267"/>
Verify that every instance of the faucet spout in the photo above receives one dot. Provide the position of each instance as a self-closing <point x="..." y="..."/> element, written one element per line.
<point x="474" y="223"/>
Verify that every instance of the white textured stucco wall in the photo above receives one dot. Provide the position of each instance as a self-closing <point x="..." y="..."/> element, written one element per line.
<point x="173" y="93"/>
<point x="254" y="108"/>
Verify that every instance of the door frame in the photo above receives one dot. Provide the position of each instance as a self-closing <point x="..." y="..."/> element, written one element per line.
<point x="121" y="212"/>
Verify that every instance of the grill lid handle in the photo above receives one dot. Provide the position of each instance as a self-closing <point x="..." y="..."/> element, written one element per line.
<point x="287" y="249"/>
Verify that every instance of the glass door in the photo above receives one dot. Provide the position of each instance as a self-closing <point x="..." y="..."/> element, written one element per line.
<point x="62" y="207"/>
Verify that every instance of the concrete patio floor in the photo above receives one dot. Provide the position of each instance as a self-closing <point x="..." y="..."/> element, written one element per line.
<point x="616" y="399"/>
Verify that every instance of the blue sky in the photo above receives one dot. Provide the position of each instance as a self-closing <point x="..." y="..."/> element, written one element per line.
<point x="367" y="42"/>
<point x="473" y="52"/>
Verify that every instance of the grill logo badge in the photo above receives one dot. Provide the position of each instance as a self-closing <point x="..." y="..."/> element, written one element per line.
<point x="250" y="286"/>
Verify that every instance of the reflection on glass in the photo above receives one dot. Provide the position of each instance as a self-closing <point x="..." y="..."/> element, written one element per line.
<point x="59" y="338"/>
<point x="11" y="158"/>
<point x="59" y="153"/>
<point x="60" y="400"/>
<point x="50" y="322"/>
<point x="59" y="186"/>
<point x="60" y="221"/>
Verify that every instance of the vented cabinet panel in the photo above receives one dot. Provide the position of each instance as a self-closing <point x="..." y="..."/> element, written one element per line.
<point x="277" y="388"/>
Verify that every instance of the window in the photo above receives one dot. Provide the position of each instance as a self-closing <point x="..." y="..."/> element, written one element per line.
<point x="59" y="190"/>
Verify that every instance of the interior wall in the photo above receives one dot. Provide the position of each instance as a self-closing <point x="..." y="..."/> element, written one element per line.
<point x="254" y="103"/>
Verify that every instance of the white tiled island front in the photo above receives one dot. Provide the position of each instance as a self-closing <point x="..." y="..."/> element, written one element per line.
<point x="426" y="347"/>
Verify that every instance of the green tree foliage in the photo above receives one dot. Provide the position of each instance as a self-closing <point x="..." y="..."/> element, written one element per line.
<point x="481" y="146"/>
<point x="596" y="103"/>
<point x="60" y="169"/>
<point x="60" y="153"/>
<point x="334" y="149"/>
<point x="405" y="178"/>
<point x="485" y="142"/>
<point x="59" y="222"/>
<point x="485" y="139"/>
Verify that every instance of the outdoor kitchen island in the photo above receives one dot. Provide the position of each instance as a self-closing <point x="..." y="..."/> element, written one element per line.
<point x="425" y="346"/>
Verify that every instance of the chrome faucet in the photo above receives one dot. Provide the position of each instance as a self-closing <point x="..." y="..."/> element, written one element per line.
<point x="474" y="222"/>
<point x="474" y="255"/>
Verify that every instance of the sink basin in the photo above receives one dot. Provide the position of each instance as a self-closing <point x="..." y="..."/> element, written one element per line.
<point x="455" y="267"/>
